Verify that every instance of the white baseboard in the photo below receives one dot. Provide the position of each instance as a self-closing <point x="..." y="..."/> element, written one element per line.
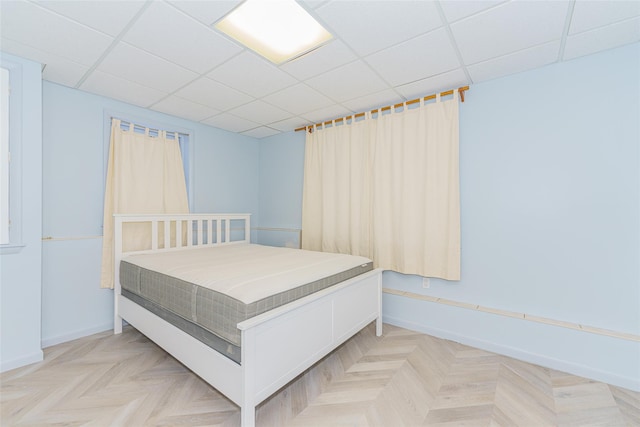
<point x="538" y="359"/>
<point x="22" y="361"/>
<point x="48" y="342"/>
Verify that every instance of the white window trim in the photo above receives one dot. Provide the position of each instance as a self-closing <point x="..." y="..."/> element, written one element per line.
<point x="15" y="148"/>
<point x="4" y="156"/>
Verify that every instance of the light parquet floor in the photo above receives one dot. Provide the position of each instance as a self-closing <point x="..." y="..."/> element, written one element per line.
<point x="403" y="378"/>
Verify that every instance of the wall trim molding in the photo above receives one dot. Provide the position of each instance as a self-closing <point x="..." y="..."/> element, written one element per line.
<point x="522" y="316"/>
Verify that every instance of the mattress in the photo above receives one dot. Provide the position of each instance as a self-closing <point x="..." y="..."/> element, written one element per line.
<point x="207" y="291"/>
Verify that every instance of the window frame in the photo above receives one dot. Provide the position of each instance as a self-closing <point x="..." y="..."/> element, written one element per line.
<point x="14" y="195"/>
<point x="5" y="153"/>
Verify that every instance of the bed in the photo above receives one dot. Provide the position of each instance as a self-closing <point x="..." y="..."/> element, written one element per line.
<point x="272" y="342"/>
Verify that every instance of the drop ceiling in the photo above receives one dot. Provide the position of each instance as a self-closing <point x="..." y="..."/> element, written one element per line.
<point x="167" y="56"/>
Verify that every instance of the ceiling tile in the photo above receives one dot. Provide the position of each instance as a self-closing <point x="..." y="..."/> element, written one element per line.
<point x="404" y="63"/>
<point x="588" y="15"/>
<point x="261" y="132"/>
<point x="167" y="32"/>
<point x="288" y="124"/>
<point x="58" y="70"/>
<point x="523" y="60"/>
<point x="110" y="17"/>
<point x="207" y="12"/>
<point x="124" y="90"/>
<point x="602" y="38"/>
<point x="458" y="9"/>
<point x="251" y="74"/>
<point x="213" y="94"/>
<point x="347" y="82"/>
<point x="181" y="107"/>
<point x="328" y="113"/>
<point x="442" y="82"/>
<point x="64" y="72"/>
<point x="261" y="112"/>
<point x="40" y="28"/>
<point x="313" y="4"/>
<point x="134" y="64"/>
<point x="230" y="122"/>
<point x="376" y="25"/>
<point x="373" y="101"/>
<point x="509" y="27"/>
<point x="298" y="99"/>
<point x="325" y="58"/>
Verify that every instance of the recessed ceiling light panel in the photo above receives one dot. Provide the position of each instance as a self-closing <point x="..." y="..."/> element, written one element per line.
<point x="279" y="30"/>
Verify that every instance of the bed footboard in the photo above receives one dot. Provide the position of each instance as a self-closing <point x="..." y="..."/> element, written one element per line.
<point x="279" y="345"/>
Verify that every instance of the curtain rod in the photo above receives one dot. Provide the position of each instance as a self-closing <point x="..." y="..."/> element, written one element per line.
<point x="461" y="90"/>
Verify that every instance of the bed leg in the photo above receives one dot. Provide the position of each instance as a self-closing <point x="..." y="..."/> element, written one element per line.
<point x="117" y="324"/>
<point x="117" y="320"/>
<point x="379" y="318"/>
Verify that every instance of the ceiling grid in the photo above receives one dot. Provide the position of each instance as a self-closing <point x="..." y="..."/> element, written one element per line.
<point x="167" y="55"/>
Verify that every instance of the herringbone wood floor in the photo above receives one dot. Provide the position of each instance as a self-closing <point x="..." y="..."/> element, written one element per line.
<point x="401" y="379"/>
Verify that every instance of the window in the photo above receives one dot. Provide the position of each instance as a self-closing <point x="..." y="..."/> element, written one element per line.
<point x="11" y="130"/>
<point x="184" y="150"/>
<point x="4" y="157"/>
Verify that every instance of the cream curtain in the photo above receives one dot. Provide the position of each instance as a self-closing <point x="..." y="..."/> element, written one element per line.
<point x="387" y="188"/>
<point x="337" y="196"/>
<point x="145" y="175"/>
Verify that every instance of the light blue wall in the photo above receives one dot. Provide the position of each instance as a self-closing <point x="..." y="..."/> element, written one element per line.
<point x="20" y="271"/>
<point x="281" y="189"/>
<point x="550" y="202"/>
<point x="225" y="173"/>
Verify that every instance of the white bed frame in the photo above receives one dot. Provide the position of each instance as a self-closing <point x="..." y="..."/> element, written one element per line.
<point x="317" y="323"/>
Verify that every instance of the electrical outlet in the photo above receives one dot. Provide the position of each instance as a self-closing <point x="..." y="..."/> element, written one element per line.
<point x="425" y="282"/>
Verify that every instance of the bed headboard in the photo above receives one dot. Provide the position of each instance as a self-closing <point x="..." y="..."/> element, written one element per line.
<point x="196" y="230"/>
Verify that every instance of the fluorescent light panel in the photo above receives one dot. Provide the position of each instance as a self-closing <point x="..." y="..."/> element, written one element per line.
<point x="279" y="30"/>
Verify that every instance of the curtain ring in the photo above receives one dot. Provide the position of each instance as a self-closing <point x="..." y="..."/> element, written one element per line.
<point x="437" y="97"/>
